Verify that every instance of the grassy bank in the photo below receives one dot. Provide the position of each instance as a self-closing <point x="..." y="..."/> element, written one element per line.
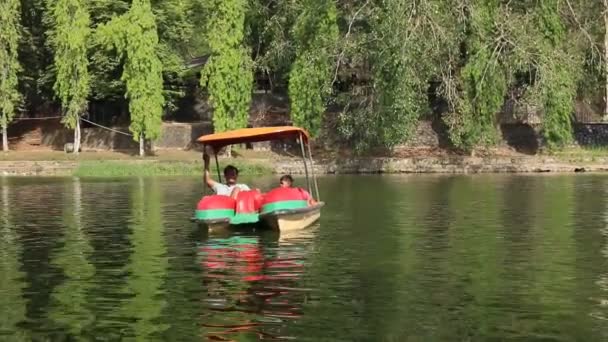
<point x="119" y="168"/>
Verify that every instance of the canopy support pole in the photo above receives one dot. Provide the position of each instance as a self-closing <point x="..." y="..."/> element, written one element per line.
<point x="305" y="164"/>
<point x="217" y="166"/>
<point x="312" y="171"/>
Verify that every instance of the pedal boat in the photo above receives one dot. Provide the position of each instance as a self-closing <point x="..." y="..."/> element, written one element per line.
<point x="283" y="209"/>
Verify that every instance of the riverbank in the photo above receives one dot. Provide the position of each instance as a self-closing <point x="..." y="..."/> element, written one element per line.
<point x="179" y="163"/>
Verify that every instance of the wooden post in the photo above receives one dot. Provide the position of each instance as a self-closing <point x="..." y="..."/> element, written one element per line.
<point x="142" y="151"/>
<point x="77" y="136"/>
<point x="305" y="164"/>
<point x="217" y="166"/>
<point x="312" y="171"/>
<point x="4" y="138"/>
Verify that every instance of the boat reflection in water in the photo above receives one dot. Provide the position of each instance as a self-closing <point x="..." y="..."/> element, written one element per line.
<point x="253" y="287"/>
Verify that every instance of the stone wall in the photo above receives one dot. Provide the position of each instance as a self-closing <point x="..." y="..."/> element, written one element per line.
<point x="36" y="168"/>
<point x="524" y="138"/>
<point x="446" y="164"/>
<point x="173" y="136"/>
<point x="591" y="135"/>
<point x="528" y="139"/>
<point x="427" y="135"/>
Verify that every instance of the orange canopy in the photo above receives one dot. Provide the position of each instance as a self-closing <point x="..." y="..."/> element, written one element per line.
<point x="249" y="135"/>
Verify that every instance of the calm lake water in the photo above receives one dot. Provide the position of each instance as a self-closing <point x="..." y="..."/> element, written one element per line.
<point x="394" y="258"/>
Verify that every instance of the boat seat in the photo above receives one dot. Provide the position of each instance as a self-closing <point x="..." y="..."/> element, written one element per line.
<point x="215" y="207"/>
<point x="286" y="194"/>
<point x="216" y="202"/>
<point x="284" y="199"/>
<point x="248" y="204"/>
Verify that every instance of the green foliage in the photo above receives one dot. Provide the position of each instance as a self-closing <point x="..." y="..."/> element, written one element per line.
<point x="482" y="81"/>
<point x="70" y="41"/>
<point x="559" y="68"/>
<point x="557" y="91"/>
<point x="382" y="65"/>
<point x="228" y="74"/>
<point x="9" y="63"/>
<point x="179" y="28"/>
<point x="37" y="76"/>
<point x="315" y="33"/>
<point x="403" y="62"/>
<point x="268" y="24"/>
<point x="135" y="38"/>
<point x="105" y="65"/>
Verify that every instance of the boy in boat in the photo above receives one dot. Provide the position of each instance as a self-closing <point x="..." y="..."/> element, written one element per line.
<point x="231" y="173"/>
<point x="286" y="181"/>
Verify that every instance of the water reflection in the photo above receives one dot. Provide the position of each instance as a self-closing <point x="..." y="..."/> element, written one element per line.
<point x="69" y="307"/>
<point x="12" y="284"/>
<point x="147" y="266"/>
<point x="394" y="258"/>
<point x="252" y="285"/>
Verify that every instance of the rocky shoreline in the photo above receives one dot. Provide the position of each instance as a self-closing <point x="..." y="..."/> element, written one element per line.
<point x="437" y="165"/>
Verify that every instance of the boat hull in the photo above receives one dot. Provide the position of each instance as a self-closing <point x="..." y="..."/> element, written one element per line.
<point x="292" y="219"/>
<point x="224" y="226"/>
<point x="282" y="220"/>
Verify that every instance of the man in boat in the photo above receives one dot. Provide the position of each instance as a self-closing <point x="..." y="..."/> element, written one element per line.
<point x="286" y="181"/>
<point x="231" y="174"/>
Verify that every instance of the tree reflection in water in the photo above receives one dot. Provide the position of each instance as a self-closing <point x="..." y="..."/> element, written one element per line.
<point x="12" y="284"/>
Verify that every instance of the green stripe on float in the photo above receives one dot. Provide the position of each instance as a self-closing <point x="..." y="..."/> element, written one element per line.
<point x="283" y="205"/>
<point x="213" y="214"/>
<point x="245" y="218"/>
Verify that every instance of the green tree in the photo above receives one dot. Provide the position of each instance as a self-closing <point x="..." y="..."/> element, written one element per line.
<point x="315" y="33"/>
<point x="134" y="36"/>
<point x="559" y="67"/>
<point x="482" y="80"/>
<point x="105" y="65"/>
<point x="9" y="64"/>
<point x="269" y="24"/>
<point x="228" y="74"/>
<point x="69" y="39"/>
<point x="394" y="61"/>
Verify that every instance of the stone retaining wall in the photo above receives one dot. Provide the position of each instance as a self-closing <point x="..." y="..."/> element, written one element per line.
<point x="524" y="138"/>
<point x="591" y="134"/>
<point x="446" y="165"/>
<point x="37" y="168"/>
<point x="454" y="164"/>
<point x="179" y="136"/>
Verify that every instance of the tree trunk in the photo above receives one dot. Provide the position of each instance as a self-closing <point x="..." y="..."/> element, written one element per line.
<point x="228" y="151"/>
<point x="4" y="139"/>
<point x="142" y="150"/>
<point x="77" y="137"/>
<point x="606" y="58"/>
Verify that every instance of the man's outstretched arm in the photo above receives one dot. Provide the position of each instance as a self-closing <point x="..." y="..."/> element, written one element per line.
<point x="207" y="175"/>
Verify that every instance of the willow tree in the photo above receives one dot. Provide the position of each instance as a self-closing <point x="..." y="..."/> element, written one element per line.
<point x="69" y="38"/>
<point x="559" y="67"/>
<point x="482" y="80"/>
<point x="315" y="35"/>
<point x="135" y="38"/>
<point x="395" y="60"/>
<point x="403" y="61"/>
<point x="10" y="14"/>
<point x="605" y="3"/>
<point x="228" y="74"/>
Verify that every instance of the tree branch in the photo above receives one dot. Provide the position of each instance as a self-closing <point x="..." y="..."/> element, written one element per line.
<point x="348" y="32"/>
